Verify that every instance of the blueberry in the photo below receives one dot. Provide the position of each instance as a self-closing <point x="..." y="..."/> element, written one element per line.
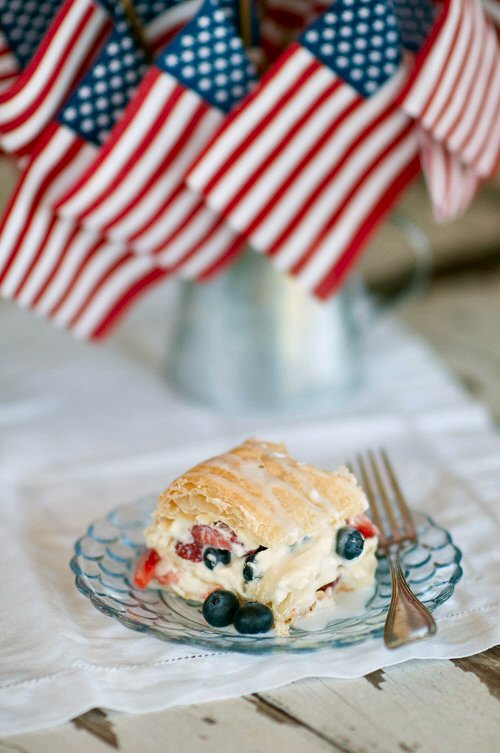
<point x="219" y="608"/>
<point x="213" y="557"/>
<point x="249" y="568"/>
<point x="350" y="543"/>
<point x="252" y="618"/>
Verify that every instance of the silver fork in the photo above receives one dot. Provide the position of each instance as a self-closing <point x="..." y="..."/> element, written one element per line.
<point x="408" y="619"/>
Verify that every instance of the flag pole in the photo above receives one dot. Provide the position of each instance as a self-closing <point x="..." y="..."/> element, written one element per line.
<point x="246" y="22"/>
<point x="137" y="29"/>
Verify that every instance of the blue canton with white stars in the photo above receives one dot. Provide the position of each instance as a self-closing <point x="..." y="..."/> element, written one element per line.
<point x="359" y="40"/>
<point x="415" y="21"/>
<point x="99" y="101"/>
<point x="209" y="57"/>
<point x="24" y="24"/>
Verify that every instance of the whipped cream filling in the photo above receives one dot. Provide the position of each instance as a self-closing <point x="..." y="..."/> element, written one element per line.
<point x="285" y="577"/>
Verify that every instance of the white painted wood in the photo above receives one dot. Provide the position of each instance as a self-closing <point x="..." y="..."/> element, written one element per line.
<point x="225" y="727"/>
<point x="431" y="706"/>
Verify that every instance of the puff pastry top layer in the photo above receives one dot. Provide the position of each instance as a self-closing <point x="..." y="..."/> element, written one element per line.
<point x="260" y="491"/>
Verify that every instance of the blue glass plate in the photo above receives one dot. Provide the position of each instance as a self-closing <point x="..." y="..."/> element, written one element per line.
<point x="104" y="562"/>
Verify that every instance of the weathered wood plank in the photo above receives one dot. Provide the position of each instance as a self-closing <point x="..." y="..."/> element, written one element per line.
<point x="430" y="706"/>
<point x="459" y="318"/>
<point x="224" y="727"/>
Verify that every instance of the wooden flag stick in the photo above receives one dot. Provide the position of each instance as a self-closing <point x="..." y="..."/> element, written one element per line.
<point x="137" y="29"/>
<point x="246" y="22"/>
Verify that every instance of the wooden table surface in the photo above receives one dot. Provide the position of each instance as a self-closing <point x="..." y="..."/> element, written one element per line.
<point x="428" y="706"/>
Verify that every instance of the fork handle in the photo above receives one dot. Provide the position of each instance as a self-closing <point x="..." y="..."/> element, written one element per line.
<point x="408" y="619"/>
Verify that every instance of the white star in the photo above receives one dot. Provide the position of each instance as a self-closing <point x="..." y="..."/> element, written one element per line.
<point x="188" y="71"/>
<point x="204" y="84"/>
<point x="70" y="113"/>
<point x="84" y="92"/>
<point x="312" y="36"/>
<point x="171" y="60"/>
<point x="204" y="67"/>
<point x="220" y="48"/>
<point x="327" y="49"/>
<point x="187" y="40"/>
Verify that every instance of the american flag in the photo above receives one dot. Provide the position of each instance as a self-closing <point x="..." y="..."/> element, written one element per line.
<point x="22" y="27"/>
<point x="454" y="95"/>
<point x="134" y="191"/>
<point x="84" y="288"/>
<point x="33" y="100"/>
<point x="314" y="160"/>
<point x="24" y="24"/>
<point x="9" y="65"/>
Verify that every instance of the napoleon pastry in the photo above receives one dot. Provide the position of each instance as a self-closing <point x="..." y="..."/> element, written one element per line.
<point x="257" y="523"/>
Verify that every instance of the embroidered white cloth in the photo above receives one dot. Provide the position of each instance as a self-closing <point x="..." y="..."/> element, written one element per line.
<point x="85" y="428"/>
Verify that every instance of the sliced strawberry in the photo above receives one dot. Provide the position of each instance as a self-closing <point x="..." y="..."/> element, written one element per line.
<point x="168" y="578"/>
<point x="329" y="585"/>
<point x="192" y="552"/>
<point x="225" y="529"/>
<point x="365" y="526"/>
<point x="207" y="536"/>
<point x="145" y="568"/>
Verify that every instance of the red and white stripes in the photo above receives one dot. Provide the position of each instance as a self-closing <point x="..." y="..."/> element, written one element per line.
<point x="134" y="190"/>
<point x="49" y="265"/>
<point x="309" y="168"/>
<point x="450" y="182"/>
<point x="143" y="162"/>
<point x="454" y="91"/>
<point x="164" y="28"/>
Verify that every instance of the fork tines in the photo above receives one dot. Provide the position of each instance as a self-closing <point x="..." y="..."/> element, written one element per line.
<point x="389" y="510"/>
